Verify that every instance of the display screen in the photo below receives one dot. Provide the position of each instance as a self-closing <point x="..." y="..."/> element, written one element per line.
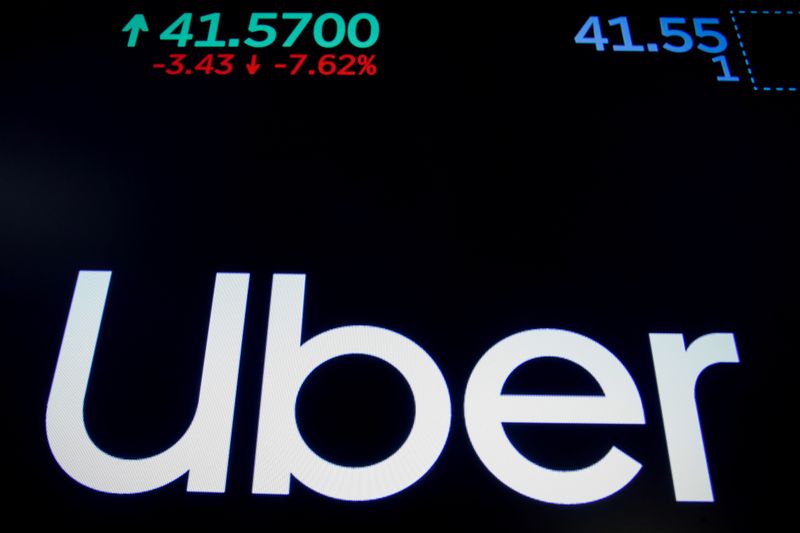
<point x="389" y="265"/>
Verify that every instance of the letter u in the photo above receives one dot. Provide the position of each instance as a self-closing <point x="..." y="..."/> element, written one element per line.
<point x="202" y="451"/>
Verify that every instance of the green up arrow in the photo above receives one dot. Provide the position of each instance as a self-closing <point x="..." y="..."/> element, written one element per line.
<point x="135" y="25"/>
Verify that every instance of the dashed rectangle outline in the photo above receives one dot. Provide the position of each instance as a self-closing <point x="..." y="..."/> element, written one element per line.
<point x="733" y="13"/>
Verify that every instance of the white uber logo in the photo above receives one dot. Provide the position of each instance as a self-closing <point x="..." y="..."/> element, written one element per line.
<point x="281" y="452"/>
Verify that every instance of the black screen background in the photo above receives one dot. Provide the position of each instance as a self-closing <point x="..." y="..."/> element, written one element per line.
<point x="494" y="177"/>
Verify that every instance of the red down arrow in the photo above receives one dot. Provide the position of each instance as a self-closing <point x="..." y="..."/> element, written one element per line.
<point x="253" y="65"/>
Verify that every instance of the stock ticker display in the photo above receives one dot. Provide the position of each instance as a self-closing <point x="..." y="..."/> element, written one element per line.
<point x="380" y="266"/>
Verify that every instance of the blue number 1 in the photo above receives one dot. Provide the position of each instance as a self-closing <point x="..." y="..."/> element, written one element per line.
<point x="726" y="72"/>
<point x="627" y="42"/>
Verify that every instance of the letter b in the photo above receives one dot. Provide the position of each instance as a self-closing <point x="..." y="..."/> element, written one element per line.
<point x="281" y="451"/>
